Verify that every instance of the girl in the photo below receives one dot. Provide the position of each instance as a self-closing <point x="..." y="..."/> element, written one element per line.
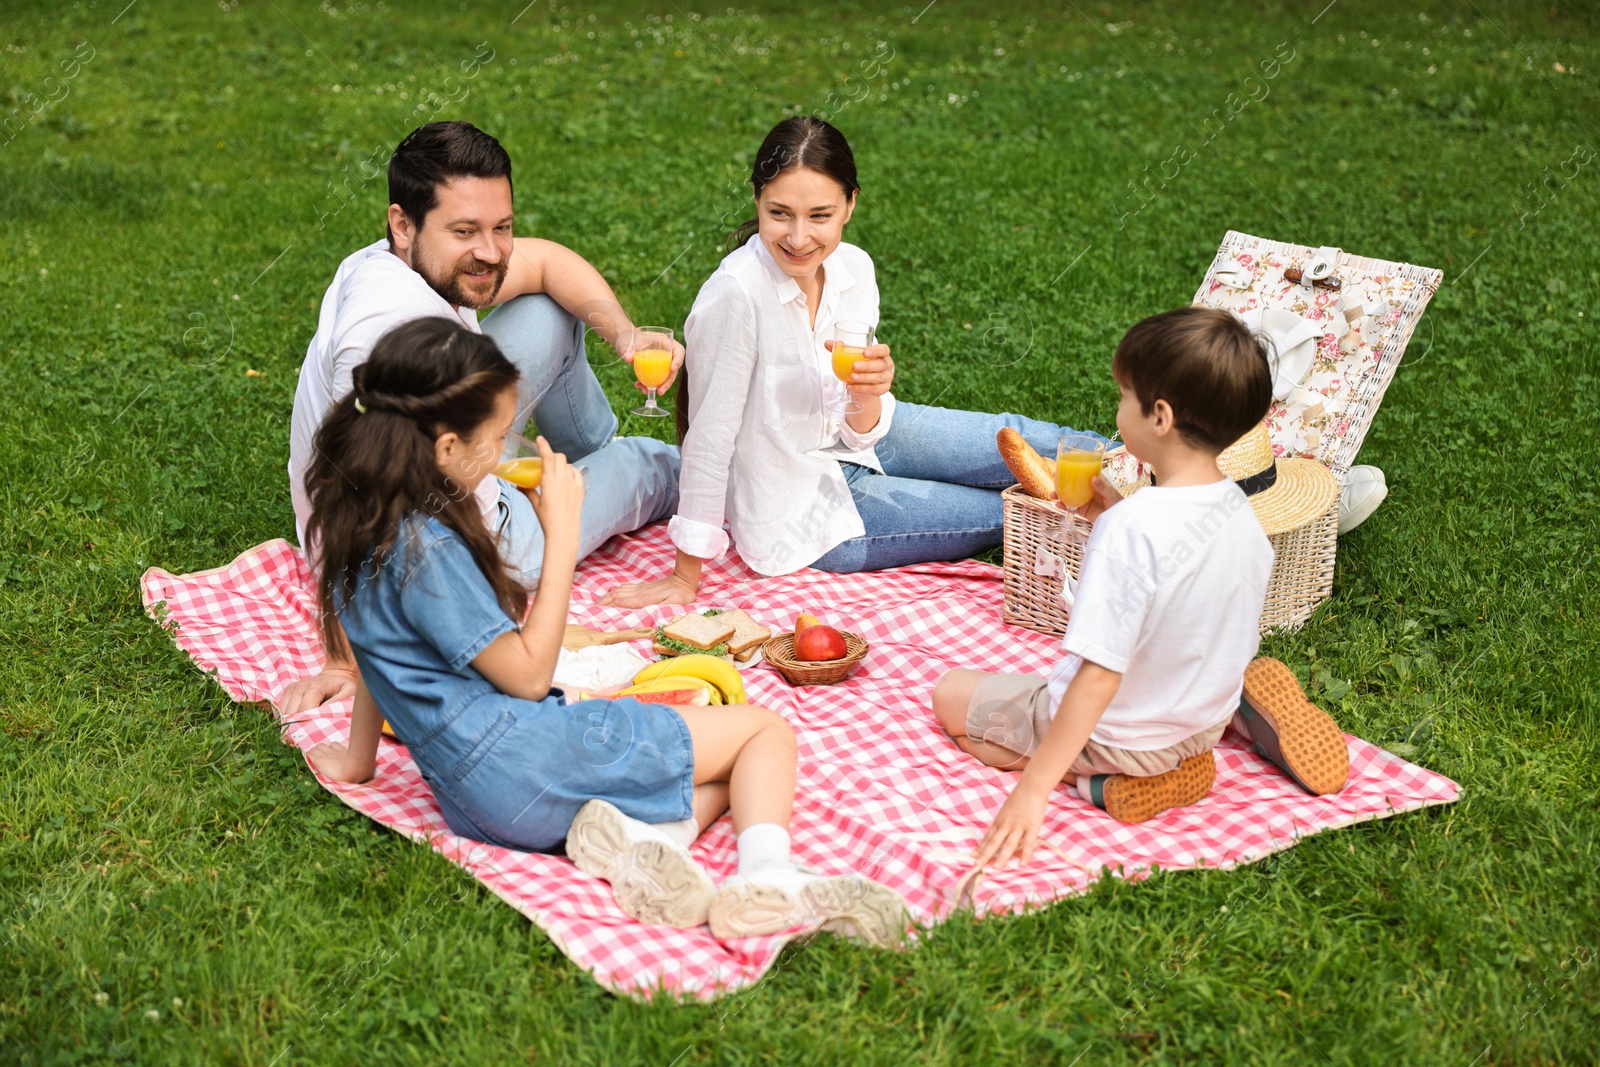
<point x="430" y="612"/>
<point x="806" y="470"/>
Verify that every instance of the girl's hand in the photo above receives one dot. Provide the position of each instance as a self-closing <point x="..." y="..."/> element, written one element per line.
<point x="332" y="761"/>
<point x="874" y="371"/>
<point x="1015" y="829"/>
<point x="639" y="341"/>
<point x="558" y="502"/>
<point x="673" y="589"/>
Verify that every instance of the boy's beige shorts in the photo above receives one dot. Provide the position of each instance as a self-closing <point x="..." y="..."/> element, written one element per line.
<point x="1014" y="712"/>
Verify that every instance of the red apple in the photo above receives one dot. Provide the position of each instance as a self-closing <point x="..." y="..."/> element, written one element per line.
<point x="819" y="642"/>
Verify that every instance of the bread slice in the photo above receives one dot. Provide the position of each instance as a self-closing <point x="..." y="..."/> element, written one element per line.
<point x="1033" y="472"/>
<point x="747" y="632"/>
<point x="699" y="631"/>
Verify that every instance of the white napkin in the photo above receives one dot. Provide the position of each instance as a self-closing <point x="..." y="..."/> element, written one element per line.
<point x="597" y="667"/>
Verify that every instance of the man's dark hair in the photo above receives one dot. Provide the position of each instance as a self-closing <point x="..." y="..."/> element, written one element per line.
<point x="1206" y="364"/>
<point x="434" y="154"/>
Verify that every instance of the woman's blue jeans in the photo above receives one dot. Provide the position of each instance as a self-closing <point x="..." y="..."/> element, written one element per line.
<point x="938" y="497"/>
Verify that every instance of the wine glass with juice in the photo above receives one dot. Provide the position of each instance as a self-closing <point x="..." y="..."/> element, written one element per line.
<point x="1078" y="459"/>
<point x="521" y="464"/>
<point x="652" y="365"/>
<point x="850" y="341"/>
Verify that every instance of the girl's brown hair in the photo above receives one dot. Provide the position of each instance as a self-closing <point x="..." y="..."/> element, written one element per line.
<point x="375" y="466"/>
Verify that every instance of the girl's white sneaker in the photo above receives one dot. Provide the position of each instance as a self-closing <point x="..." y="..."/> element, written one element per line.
<point x="781" y="898"/>
<point x="654" y="878"/>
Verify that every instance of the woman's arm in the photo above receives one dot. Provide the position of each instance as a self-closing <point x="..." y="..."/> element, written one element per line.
<point x="353" y="763"/>
<point x="522" y="663"/>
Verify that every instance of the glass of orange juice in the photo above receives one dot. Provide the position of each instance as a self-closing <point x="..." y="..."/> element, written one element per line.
<point x="850" y="341"/>
<point x="521" y="464"/>
<point x="652" y="365"/>
<point x="1078" y="459"/>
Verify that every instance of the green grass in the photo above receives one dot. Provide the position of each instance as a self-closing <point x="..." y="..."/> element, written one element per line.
<point x="171" y="220"/>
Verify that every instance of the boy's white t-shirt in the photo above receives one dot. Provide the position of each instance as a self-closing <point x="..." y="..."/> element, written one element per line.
<point x="372" y="292"/>
<point x="1170" y="595"/>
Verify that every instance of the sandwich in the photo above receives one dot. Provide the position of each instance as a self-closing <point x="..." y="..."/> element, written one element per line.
<point x="706" y="633"/>
<point x="748" y="635"/>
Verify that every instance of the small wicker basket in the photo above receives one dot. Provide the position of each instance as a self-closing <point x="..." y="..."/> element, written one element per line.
<point x="1040" y="554"/>
<point x="779" y="651"/>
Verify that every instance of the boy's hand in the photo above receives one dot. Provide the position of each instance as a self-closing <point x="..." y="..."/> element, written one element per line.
<point x="1015" y="828"/>
<point x="1105" y="495"/>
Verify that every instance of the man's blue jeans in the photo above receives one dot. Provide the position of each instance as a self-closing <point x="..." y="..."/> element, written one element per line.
<point x="629" y="482"/>
<point x="938" y="497"/>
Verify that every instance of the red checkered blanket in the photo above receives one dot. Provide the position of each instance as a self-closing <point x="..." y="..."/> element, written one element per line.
<point x="881" y="789"/>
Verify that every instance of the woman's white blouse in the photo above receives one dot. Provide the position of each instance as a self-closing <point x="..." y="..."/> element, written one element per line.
<point x="767" y="428"/>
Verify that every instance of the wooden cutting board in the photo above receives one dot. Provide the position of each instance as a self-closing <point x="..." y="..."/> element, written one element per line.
<point x="582" y="636"/>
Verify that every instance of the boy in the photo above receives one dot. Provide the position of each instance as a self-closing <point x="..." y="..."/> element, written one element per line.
<point x="1166" y="616"/>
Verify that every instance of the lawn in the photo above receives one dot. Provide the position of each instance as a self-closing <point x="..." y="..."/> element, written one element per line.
<point x="178" y="182"/>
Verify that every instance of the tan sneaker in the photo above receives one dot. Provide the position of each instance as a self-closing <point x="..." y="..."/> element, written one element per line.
<point x="1130" y="798"/>
<point x="768" y="902"/>
<point x="1291" y="731"/>
<point x="654" y="878"/>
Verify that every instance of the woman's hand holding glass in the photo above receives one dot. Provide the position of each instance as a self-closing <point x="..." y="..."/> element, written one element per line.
<point x="873" y="373"/>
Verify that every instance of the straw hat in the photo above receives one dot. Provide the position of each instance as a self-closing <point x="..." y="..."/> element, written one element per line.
<point x="1286" y="493"/>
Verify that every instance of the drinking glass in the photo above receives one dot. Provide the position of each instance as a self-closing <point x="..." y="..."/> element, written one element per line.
<point x="1078" y="459"/>
<point x="521" y="464"/>
<point x="850" y="341"/>
<point x="652" y="365"/>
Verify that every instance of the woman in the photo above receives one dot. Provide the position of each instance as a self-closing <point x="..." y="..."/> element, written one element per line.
<point x="806" y="470"/>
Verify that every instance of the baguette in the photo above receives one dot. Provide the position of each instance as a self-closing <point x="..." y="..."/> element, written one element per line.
<point x="1035" y="473"/>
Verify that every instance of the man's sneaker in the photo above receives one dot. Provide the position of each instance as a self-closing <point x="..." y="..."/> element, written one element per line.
<point x="770" y="901"/>
<point x="654" y="878"/>
<point x="1364" y="489"/>
<point x="1291" y="731"/>
<point x="1130" y="798"/>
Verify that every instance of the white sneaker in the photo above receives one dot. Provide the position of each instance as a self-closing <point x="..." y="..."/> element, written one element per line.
<point x="654" y="878"/>
<point x="770" y="901"/>
<point x="1364" y="489"/>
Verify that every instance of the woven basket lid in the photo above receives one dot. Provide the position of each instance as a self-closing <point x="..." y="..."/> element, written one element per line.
<point x="1289" y="493"/>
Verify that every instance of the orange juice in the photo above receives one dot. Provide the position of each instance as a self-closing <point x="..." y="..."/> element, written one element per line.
<point x="523" y="472"/>
<point x="844" y="360"/>
<point x="1074" y="472"/>
<point x="651" y="366"/>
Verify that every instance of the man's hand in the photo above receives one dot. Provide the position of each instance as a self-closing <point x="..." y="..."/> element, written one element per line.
<point x="1015" y="829"/>
<point x="332" y="683"/>
<point x="636" y="340"/>
<point x="874" y="371"/>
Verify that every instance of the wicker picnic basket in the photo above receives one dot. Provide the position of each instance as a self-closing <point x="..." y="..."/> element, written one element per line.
<point x="1369" y="309"/>
<point x="779" y="651"/>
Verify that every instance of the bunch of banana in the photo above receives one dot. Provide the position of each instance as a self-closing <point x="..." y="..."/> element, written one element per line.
<point x="717" y="671"/>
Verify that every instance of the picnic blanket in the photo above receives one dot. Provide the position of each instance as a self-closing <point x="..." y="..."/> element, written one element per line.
<point x="881" y="789"/>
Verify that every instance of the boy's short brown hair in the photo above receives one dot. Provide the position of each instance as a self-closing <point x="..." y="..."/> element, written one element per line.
<point x="1206" y="364"/>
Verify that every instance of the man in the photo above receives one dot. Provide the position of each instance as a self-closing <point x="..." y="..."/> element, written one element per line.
<point x="449" y="252"/>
